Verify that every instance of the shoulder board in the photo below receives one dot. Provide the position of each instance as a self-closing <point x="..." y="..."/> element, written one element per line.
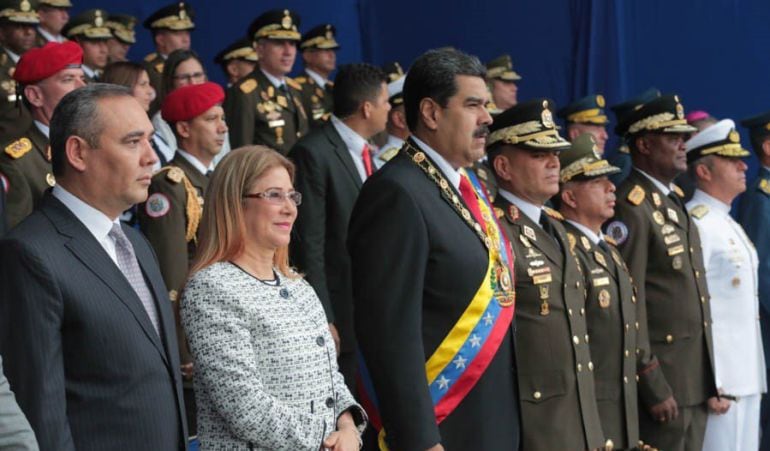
<point x="301" y="79"/>
<point x="159" y="68"/>
<point x="610" y="240"/>
<point x="678" y="190"/>
<point x="248" y="86"/>
<point x="553" y="213"/>
<point x="572" y="241"/>
<point x="293" y="84"/>
<point x="764" y="186"/>
<point x="18" y="148"/>
<point x="388" y="154"/>
<point x="175" y="174"/>
<point x="636" y="196"/>
<point x="150" y="57"/>
<point x="699" y="211"/>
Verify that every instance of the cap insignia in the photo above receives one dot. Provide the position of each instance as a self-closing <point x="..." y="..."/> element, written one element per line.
<point x="733" y="136"/>
<point x="286" y="21"/>
<point x="600" y="101"/>
<point x="98" y="20"/>
<point x="25" y="6"/>
<point x="679" y="111"/>
<point x="546" y="116"/>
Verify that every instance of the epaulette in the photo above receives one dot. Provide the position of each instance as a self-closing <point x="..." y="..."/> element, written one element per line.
<point x="248" y="86"/>
<point x="699" y="211"/>
<point x="610" y="240"/>
<point x="553" y="213"/>
<point x="18" y="148"/>
<point x="636" y="196"/>
<point x="764" y="186"/>
<point x="293" y="84"/>
<point x="677" y="190"/>
<point x="572" y="241"/>
<point x="159" y="68"/>
<point x="301" y="79"/>
<point x="388" y="154"/>
<point x="174" y="174"/>
<point x="150" y="57"/>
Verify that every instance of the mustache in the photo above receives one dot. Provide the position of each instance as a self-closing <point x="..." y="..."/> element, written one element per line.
<point x="481" y="132"/>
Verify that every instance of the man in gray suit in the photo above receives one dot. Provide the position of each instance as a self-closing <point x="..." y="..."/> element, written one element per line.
<point x="87" y="329"/>
<point x="15" y="433"/>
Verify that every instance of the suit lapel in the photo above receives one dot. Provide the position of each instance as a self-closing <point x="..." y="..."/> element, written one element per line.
<point x="85" y="247"/>
<point x="342" y="152"/>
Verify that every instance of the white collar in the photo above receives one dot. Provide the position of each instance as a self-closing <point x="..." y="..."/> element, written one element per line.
<point x="702" y="197"/>
<point x="195" y="161"/>
<point x="13" y="56"/>
<point x="665" y="189"/>
<point x="48" y="36"/>
<point x="320" y="81"/>
<point x="393" y="141"/>
<point x="44" y="129"/>
<point x="91" y="73"/>
<point x="353" y="141"/>
<point x="531" y="210"/>
<point x="767" y="168"/>
<point x="277" y="82"/>
<point x="95" y="221"/>
<point x="587" y="232"/>
<point x="452" y="174"/>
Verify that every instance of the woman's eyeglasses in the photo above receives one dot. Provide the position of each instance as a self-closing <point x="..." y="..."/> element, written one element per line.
<point x="189" y="78"/>
<point x="276" y="196"/>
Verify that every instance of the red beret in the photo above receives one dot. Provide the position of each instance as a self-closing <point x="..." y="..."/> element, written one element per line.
<point x="189" y="102"/>
<point x="40" y="63"/>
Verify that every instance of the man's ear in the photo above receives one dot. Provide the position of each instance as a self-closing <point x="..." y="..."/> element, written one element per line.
<point x="183" y="129"/>
<point x="34" y="95"/>
<point x="430" y="112"/>
<point x="76" y="149"/>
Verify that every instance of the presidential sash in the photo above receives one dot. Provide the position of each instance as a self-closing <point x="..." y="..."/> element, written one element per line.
<point x="464" y="354"/>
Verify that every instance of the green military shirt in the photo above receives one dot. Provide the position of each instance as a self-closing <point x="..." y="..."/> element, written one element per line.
<point x="169" y="219"/>
<point x="553" y="359"/>
<point x="610" y="311"/>
<point x="316" y="100"/>
<point x="15" y="117"/>
<point x="662" y="248"/>
<point x="258" y="112"/>
<point x="25" y="168"/>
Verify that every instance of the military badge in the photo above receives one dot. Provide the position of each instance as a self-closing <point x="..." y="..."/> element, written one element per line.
<point x="604" y="299"/>
<point x="585" y="243"/>
<point x="248" y="86"/>
<point x="513" y="213"/>
<point x="18" y="148"/>
<point x="672" y="215"/>
<point x="175" y="174"/>
<point x="618" y="231"/>
<point x="600" y="258"/>
<point x="157" y="205"/>
<point x="656" y="199"/>
<point x="636" y="196"/>
<point x="530" y="233"/>
<point x="764" y="186"/>
<point x="601" y="282"/>
<point x="545" y="309"/>
<point x="671" y="239"/>
<point x="675" y="250"/>
<point x="572" y="241"/>
<point x="676" y="263"/>
<point x="667" y="229"/>
<point x="658" y="217"/>
<point x="50" y="179"/>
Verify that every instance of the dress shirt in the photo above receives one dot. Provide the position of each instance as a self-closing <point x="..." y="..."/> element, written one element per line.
<point x="531" y="210"/>
<point x="49" y="37"/>
<point x="658" y="184"/>
<point x="195" y="162"/>
<point x="320" y="81"/>
<point x="452" y="175"/>
<point x="44" y="129"/>
<point x="354" y="142"/>
<point x="588" y="232"/>
<point x="277" y="82"/>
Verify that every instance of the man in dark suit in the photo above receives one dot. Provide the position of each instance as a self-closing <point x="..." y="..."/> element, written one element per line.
<point x="88" y="334"/>
<point x="433" y="301"/>
<point x="332" y="163"/>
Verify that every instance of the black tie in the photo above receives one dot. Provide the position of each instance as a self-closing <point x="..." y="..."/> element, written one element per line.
<point x="676" y="199"/>
<point x="547" y="226"/>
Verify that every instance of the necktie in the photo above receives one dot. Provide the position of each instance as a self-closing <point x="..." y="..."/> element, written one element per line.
<point x="130" y="268"/>
<point x="469" y="196"/>
<point x="603" y="245"/>
<point x="676" y="199"/>
<point x="286" y="92"/>
<point x="366" y="156"/>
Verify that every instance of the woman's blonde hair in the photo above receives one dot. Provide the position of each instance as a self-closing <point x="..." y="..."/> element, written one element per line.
<point x="222" y="233"/>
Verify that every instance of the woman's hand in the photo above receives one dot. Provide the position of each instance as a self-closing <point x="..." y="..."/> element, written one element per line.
<point x="345" y="439"/>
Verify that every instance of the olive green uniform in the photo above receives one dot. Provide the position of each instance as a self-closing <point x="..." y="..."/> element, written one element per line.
<point x="259" y="113"/>
<point x="25" y="168"/>
<point x="15" y="117"/>
<point x="316" y="100"/>
<point x="555" y="371"/>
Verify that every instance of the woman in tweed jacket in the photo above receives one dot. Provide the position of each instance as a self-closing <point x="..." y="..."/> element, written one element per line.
<point x="267" y="376"/>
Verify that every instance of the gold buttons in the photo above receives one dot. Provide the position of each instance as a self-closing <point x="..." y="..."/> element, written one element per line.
<point x="537" y="395"/>
<point x="636" y="325"/>
<point x="576" y="340"/>
<point x="582" y="311"/>
<point x="697" y="273"/>
<point x="586" y="337"/>
<point x="569" y="311"/>
<point x="579" y="367"/>
<point x="590" y="366"/>
<point x="625" y="379"/>
<point x="577" y="284"/>
<point x="627" y="327"/>
<point x="638" y="351"/>
<point x="669" y="339"/>
<point x="705" y="324"/>
<point x="633" y="298"/>
<point x="626" y="353"/>
<point x="637" y="378"/>
<point x="703" y="299"/>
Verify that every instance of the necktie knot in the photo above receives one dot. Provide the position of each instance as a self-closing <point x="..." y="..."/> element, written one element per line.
<point x="604" y="246"/>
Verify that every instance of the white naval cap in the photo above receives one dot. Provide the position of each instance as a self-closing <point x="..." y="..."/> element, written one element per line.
<point x="717" y="139"/>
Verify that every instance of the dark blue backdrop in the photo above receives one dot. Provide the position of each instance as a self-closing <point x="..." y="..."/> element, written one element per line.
<point x="714" y="53"/>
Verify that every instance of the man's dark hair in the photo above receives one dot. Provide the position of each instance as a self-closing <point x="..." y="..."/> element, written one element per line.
<point x="354" y="85"/>
<point x="757" y="139"/>
<point x="77" y="114"/>
<point x="433" y="75"/>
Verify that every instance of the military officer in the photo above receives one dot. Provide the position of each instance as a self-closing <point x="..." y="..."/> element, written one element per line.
<point x="265" y="107"/>
<point x="587" y="200"/>
<point x="237" y="60"/>
<point x="754" y="216"/>
<point x="46" y="74"/>
<point x="586" y="115"/>
<point x="501" y="79"/>
<point x="319" y="52"/>
<point x="661" y="246"/>
<point x="621" y="157"/>
<point x="90" y="31"/>
<point x="396" y="129"/>
<point x="555" y="369"/>
<point x="17" y="35"/>
<point x="170" y="216"/>
<point x="54" y="15"/>
<point x="123" y="36"/>
<point x="715" y="163"/>
<point x="170" y="27"/>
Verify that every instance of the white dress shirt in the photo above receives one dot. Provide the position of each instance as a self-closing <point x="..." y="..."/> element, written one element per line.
<point x="452" y="175"/>
<point x="355" y="144"/>
<point x="195" y="162"/>
<point x="277" y="82"/>
<point x="588" y="232"/>
<point x="658" y="184"/>
<point x="319" y="80"/>
<point x="95" y="221"/>
<point x="49" y="37"/>
<point x="44" y="129"/>
<point x="531" y="210"/>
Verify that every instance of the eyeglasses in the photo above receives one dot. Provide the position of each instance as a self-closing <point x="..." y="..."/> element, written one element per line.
<point x="195" y="76"/>
<point x="276" y="196"/>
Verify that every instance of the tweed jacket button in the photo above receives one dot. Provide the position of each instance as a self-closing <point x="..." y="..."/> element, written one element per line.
<point x="329" y="402"/>
<point x="320" y="341"/>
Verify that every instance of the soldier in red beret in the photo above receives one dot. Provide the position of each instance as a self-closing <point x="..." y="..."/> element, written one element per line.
<point x="45" y="74"/>
<point x="173" y="209"/>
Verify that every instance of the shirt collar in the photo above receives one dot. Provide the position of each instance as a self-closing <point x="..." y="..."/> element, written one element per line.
<point x="701" y="197"/>
<point x="658" y="184"/>
<point x="195" y="162"/>
<point x="320" y="81"/>
<point x="95" y="221"/>
<point x="532" y="211"/>
<point x="44" y="129"/>
<point x="48" y="36"/>
<point x="452" y="175"/>
<point x="587" y="232"/>
<point x="277" y="82"/>
<point x="91" y="73"/>
<point x="353" y="141"/>
<point x="13" y="56"/>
